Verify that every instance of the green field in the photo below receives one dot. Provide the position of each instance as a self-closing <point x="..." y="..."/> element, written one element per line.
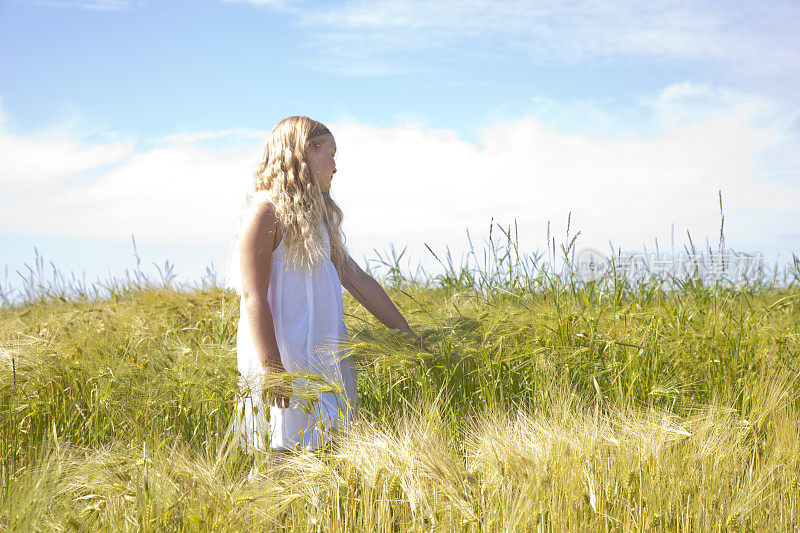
<point x="545" y="403"/>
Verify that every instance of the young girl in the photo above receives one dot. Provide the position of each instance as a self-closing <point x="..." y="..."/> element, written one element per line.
<point x="293" y="264"/>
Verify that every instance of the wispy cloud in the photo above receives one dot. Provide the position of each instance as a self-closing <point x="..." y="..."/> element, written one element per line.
<point x="93" y="5"/>
<point x="55" y="156"/>
<point x="40" y="165"/>
<point x="759" y="38"/>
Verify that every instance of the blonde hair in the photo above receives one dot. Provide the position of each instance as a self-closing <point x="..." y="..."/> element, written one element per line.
<point x="302" y="208"/>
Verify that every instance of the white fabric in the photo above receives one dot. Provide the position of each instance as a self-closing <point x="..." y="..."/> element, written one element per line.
<point x="233" y="274"/>
<point x="307" y="314"/>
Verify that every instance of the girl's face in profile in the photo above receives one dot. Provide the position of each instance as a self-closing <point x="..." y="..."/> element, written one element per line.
<point x="321" y="160"/>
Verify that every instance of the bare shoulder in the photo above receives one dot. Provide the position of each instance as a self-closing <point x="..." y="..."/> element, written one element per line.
<point x="256" y="246"/>
<point x="261" y="224"/>
<point x="262" y="206"/>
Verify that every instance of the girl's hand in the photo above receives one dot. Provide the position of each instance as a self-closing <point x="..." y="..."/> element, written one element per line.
<point x="274" y="390"/>
<point x="416" y="340"/>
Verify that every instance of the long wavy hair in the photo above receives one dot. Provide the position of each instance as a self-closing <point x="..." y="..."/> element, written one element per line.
<point x="302" y="208"/>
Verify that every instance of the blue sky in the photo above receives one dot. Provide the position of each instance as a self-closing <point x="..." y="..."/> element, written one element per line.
<point x="121" y="117"/>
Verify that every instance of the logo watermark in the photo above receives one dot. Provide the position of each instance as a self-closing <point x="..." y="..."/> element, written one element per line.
<point x="591" y="265"/>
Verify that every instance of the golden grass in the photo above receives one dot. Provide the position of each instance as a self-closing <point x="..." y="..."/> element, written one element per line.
<point x="546" y="405"/>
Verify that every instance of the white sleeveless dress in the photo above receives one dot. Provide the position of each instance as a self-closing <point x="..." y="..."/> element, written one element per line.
<point x="307" y="314"/>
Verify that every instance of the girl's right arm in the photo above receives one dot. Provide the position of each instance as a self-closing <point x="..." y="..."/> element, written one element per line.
<point x="255" y="256"/>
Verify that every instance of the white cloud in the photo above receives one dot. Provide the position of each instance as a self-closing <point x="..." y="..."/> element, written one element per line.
<point x="758" y="38"/>
<point x="175" y="194"/>
<point x="411" y="185"/>
<point x="178" y="192"/>
<point x="625" y="189"/>
<point x="37" y="165"/>
<point x="682" y="102"/>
